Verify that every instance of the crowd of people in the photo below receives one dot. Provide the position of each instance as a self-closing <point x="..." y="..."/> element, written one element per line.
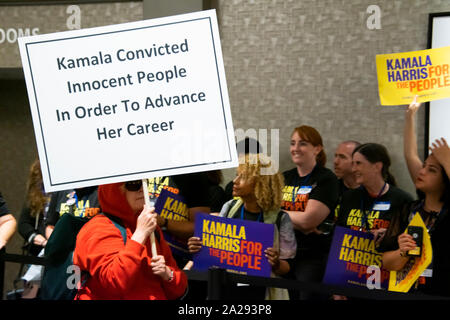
<point x="304" y="204"/>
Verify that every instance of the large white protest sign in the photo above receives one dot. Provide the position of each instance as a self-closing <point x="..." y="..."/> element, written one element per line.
<point x="129" y="101"/>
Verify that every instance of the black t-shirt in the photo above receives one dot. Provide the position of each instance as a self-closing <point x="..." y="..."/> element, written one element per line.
<point x="81" y="202"/>
<point x="342" y="189"/>
<point x="229" y="191"/>
<point x="3" y="207"/>
<point x="378" y="212"/>
<point x="217" y="197"/>
<point x="194" y="187"/>
<point x="440" y="280"/>
<point x="321" y="185"/>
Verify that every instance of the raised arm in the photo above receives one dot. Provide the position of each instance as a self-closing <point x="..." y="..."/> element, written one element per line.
<point x="410" y="140"/>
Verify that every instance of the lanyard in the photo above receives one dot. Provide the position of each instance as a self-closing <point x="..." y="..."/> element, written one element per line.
<point x="242" y="215"/>
<point x="364" y="217"/>
<point x="294" y="194"/>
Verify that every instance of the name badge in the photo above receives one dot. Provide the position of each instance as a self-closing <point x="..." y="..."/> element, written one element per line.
<point x="304" y="190"/>
<point x="428" y="273"/>
<point x="382" y="206"/>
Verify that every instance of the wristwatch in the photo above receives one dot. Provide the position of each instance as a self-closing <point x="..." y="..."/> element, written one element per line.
<point x="164" y="226"/>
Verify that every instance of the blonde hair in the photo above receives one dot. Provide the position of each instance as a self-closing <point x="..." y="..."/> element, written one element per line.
<point x="268" y="187"/>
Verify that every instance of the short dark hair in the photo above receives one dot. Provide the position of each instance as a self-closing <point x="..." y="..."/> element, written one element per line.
<point x="248" y="145"/>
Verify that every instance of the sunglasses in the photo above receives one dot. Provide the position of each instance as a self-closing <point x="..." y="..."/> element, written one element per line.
<point x="133" y="185"/>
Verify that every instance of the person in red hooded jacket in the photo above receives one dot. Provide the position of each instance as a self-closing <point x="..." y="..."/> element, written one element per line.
<point x="119" y="270"/>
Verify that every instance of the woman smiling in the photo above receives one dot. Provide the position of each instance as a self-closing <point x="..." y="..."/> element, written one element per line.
<point x="371" y="207"/>
<point x="310" y="197"/>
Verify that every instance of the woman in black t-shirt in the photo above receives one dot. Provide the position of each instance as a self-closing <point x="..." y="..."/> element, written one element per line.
<point x="431" y="179"/>
<point x="370" y="208"/>
<point x="309" y="197"/>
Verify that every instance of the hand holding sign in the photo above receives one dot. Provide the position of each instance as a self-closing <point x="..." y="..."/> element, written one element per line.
<point x="146" y="224"/>
<point x="159" y="268"/>
<point x="402" y="280"/>
<point x="413" y="106"/>
<point x="233" y="244"/>
<point x="405" y="243"/>
<point x="194" y="244"/>
<point x="150" y="204"/>
<point x="273" y="256"/>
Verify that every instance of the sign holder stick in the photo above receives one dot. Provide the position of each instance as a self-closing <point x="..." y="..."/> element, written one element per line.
<point x="149" y="204"/>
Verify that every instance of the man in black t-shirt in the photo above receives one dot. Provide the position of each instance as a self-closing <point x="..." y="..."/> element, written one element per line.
<point x="343" y="157"/>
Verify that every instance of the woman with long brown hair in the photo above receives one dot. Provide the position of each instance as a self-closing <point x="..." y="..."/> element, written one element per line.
<point x="32" y="219"/>
<point x="431" y="179"/>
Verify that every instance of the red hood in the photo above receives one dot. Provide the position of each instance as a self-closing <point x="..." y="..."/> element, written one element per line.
<point x="112" y="200"/>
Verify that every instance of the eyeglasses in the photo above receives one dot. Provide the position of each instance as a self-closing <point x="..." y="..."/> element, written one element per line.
<point x="133" y="185"/>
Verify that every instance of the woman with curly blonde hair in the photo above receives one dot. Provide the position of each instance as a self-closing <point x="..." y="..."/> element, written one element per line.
<point x="267" y="186"/>
<point x="257" y="193"/>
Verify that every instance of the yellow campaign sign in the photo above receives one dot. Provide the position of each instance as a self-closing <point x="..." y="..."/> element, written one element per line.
<point x="425" y="73"/>
<point x="402" y="281"/>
